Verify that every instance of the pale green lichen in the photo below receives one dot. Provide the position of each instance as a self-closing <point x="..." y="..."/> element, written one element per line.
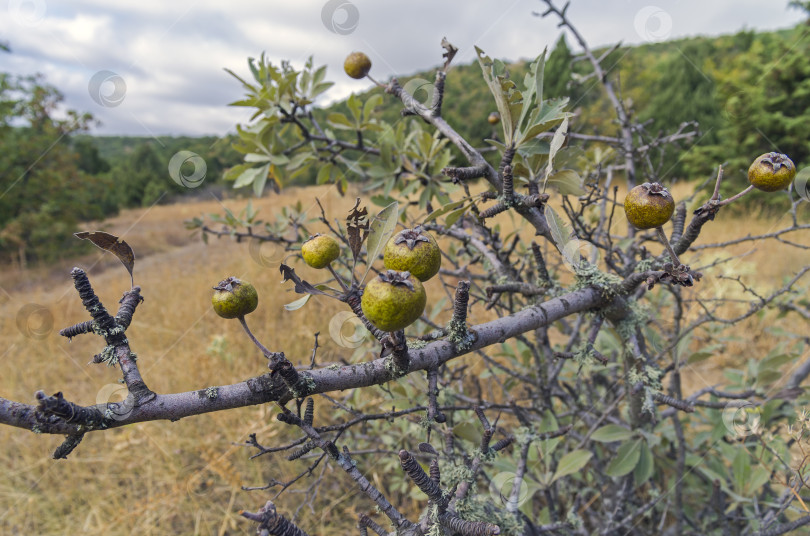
<point x="589" y="275"/>
<point x="393" y="369"/>
<point x="453" y="474"/>
<point x="108" y="356"/>
<point x="212" y="392"/>
<point x="333" y="367"/>
<point x="644" y="265"/>
<point x="524" y="434"/>
<point x="459" y="335"/>
<point x="416" y="344"/>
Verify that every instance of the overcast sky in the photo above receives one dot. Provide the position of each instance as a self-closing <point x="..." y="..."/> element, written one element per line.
<point x="148" y="67"/>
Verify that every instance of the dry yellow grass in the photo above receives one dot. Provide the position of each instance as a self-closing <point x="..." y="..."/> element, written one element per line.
<point x="184" y="477"/>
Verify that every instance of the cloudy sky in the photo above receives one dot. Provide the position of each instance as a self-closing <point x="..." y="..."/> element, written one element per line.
<point x="148" y="67"/>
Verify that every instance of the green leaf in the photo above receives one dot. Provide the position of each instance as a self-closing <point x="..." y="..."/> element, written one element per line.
<point x="297" y="304"/>
<point x="561" y="232"/>
<point x="611" y="432"/>
<point x="441" y="211"/>
<point x="454" y="216"/>
<point x="534" y="146"/>
<point x="468" y="431"/>
<point x="339" y="121"/>
<point x="324" y="174"/>
<point x="567" y="182"/>
<point x="571" y="463"/>
<point x="354" y="105"/>
<point x="644" y="469"/>
<point x="697" y="357"/>
<point x="626" y="459"/>
<point x="261" y="180"/>
<point x="741" y="468"/>
<point x="556" y="144"/>
<point x="256" y="157"/>
<point x="371" y="103"/>
<point x="381" y="227"/>
<point x="248" y="176"/>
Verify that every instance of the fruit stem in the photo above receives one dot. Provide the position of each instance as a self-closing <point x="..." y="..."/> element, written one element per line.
<point x="337" y="278"/>
<point x="267" y="353"/>
<point x="377" y="83"/>
<point x="716" y="194"/>
<point x="735" y="197"/>
<point x="663" y="237"/>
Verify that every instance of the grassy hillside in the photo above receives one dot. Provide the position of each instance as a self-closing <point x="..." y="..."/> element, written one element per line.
<point x="185" y="477"/>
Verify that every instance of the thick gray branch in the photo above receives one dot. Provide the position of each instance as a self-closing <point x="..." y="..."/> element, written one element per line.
<point x="270" y="388"/>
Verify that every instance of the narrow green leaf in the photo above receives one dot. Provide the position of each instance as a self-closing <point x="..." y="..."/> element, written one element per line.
<point x="626" y="459"/>
<point x="571" y="463"/>
<point x="256" y="157"/>
<point x="324" y="174"/>
<point x="644" y="469"/>
<point x="556" y="143"/>
<point x="441" y="211"/>
<point x="561" y="232"/>
<point x="297" y="304"/>
<point x="611" y="432"/>
<point x="454" y="216"/>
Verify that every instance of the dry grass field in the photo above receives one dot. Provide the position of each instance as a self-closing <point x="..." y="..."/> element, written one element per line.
<point x="185" y="477"/>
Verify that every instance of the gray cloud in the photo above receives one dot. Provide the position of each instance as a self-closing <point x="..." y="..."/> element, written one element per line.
<point x="171" y="55"/>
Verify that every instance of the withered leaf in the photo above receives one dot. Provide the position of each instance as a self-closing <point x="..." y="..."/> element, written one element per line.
<point x="357" y="228"/>
<point x="114" y="245"/>
<point x="301" y="286"/>
<point x="450" y="52"/>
